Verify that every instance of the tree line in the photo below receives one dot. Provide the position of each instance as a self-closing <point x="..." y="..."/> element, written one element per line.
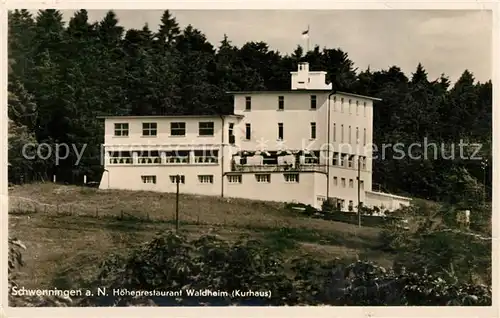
<point x="61" y="77"/>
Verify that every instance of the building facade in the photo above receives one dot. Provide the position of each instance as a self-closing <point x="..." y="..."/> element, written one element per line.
<point x="302" y="145"/>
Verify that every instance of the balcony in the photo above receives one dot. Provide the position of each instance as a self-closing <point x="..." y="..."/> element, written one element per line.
<point x="278" y="168"/>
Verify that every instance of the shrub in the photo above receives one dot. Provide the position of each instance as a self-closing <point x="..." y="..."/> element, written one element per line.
<point x="329" y="206"/>
<point x="171" y="262"/>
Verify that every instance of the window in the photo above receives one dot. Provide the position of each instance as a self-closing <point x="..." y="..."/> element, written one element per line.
<point x="248" y="132"/>
<point x="335" y="160"/>
<point x="341" y="105"/>
<point x="149" y="157"/>
<point x="281" y="102"/>
<point x="342" y="181"/>
<point x="364" y="109"/>
<point x="231" y="133"/>
<point x="362" y="184"/>
<point x="263" y="178"/>
<point x="357" y="135"/>
<point x="269" y="159"/>
<point x="350" y="108"/>
<point x="181" y="156"/>
<point x="313" y="101"/>
<point x="343" y="159"/>
<point x="350" y="163"/>
<point x="149" y="129"/>
<point x="312" y="158"/>
<point x="173" y="179"/>
<point x="351" y="206"/>
<point x="280" y="131"/>
<point x="357" y="107"/>
<point x="363" y="163"/>
<point x="206" y="156"/>
<point x="149" y="179"/>
<point x="313" y="130"/>
<point x="364" y="136"/>
<point x="335" y="181"/>
<point x="351" y="183"/>
<point x="291" y="177"/>
<point x="206" y="178"/>
<point x="234" y="178"/>
<point x="342" y="133"/>
<point x="350" y="139"/>
<point x="121" y="130"/>
<point x="178" y="129"/>
<point x="334" y="132"/>
<point x="248" y="103"/>
<point x="206" y="128"/>
<point x="120" y="157"/>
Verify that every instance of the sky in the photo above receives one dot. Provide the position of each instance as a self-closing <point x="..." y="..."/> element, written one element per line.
<point x="444" y="41"/>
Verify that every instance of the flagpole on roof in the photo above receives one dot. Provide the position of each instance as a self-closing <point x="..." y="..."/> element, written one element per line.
<point x="305" y="34"/>
<point x="307" y="38"/>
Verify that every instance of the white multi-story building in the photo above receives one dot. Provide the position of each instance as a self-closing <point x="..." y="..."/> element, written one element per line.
<point x="302" y="145"/>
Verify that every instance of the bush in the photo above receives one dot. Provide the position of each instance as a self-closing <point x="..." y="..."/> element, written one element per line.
<point x="437" y="247"/>
<point x="171" y="262"/>
<point x="329" y="206"/>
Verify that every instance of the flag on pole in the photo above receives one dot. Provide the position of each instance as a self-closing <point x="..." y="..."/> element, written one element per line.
<point x="305" y="33"/>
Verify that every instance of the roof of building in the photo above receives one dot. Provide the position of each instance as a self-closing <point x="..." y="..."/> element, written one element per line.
<point x="301" y="91"/>
<point x="167" y="116"/>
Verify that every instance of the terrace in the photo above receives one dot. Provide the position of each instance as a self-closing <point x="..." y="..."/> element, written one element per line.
<point x="276" y="161"/>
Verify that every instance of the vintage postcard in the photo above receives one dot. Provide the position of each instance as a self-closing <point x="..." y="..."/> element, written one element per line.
<point x="234" y="158"/>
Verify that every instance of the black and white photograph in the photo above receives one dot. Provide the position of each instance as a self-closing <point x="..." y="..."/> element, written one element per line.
<point x="179" y="158"/>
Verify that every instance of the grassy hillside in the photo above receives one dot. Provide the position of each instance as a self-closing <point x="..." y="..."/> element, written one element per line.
<point x="69" y="230"/>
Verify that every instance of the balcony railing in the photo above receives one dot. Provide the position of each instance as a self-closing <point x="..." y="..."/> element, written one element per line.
<point x="158" y="160"/>
<point x="279" y="168"/>
<point x="200" y="159"/>
<point x="149" y="160"/>
<point x="121" y="160"/>
<point x="177" y="159"/>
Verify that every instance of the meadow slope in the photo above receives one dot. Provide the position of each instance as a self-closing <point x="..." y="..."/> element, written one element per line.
<point x="69" y="230"/>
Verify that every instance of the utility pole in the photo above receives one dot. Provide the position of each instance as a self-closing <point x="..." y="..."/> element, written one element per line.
<point x="177" y="181"/>
<point x="359" y="191"/>
<point x="484" y="165"/>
